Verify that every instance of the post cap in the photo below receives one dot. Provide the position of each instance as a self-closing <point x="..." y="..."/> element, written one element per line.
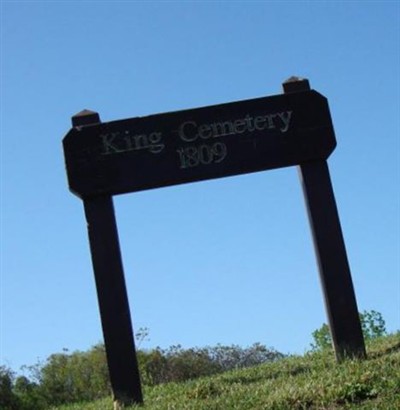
<point x="85" y="117"/>
<point x="296" y="84"/>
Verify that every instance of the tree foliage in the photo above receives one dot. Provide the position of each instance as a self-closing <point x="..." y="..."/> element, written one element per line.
<point x="372" y="325"/>
<point x="80" y="376"/>
<point x="83" y="376"/>
<point x="8" y="399"/>
<point x="178" y="364"/>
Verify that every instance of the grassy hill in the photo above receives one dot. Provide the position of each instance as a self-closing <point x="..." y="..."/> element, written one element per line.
<point x="312" y="381"/>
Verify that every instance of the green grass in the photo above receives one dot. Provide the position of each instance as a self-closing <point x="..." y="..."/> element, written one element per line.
<point x="313" y="381"/>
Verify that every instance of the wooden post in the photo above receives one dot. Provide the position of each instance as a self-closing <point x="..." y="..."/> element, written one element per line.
<point x="337" y="285"/>
<point x="111" y="292"/>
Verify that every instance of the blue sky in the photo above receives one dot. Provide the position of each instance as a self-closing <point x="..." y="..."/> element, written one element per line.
<point x="226" y="261"/>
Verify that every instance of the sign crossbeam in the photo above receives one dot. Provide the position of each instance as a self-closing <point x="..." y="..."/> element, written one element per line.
<point x="193" y="145"/>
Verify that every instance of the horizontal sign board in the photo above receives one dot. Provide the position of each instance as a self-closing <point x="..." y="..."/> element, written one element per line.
<point x="198" y="144"/>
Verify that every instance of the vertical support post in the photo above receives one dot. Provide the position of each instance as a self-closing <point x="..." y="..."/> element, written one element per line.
<point x="111" y="292"/>
<point x="334" y="269"/>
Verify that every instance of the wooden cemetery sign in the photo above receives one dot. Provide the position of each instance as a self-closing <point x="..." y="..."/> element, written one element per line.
<point x="105" y="159"/>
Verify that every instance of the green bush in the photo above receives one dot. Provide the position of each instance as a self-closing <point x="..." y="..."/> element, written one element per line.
<point x="83" y="376"/>
<point x="372" y="325"/>
<point x="80" y="376"/>
<point x="8" y="399"/>
<point x="177" y="364"/>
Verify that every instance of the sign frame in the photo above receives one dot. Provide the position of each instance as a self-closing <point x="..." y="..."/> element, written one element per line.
<point x="95" y="177"/>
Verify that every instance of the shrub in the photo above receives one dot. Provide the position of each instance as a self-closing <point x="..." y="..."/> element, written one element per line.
<point x="177" y="364"/>
<point x="372" y="325"/>
<point x="83" y="376"/>
<point x="8" y="399"/>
